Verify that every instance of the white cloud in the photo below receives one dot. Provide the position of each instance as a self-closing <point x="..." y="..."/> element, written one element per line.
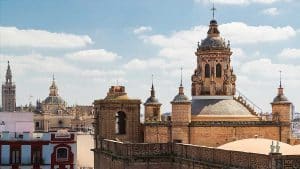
<point x="239" y="32"/>
<point x="271" y="11"/>
<point x="142" y="29"/>
<point x="290" y="53"/>
<point x="95" y="55"/>
<point x="141" y="64"/>
<point x="102" y="73"/>
<point x="238" y="2"/>
<point x="14" y="37"/>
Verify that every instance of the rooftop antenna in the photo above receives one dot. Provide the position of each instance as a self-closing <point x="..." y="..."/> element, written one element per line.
<point x="213" y="9"/>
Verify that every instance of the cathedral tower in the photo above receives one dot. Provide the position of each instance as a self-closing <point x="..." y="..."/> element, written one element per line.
<point x="118" y="116"/>
<point x="181" y="116"/>
<point x="152" y="107"/>
<point x="282" y="112"/>
<point x="8" y="92"/>
<point x="213" y="74"/>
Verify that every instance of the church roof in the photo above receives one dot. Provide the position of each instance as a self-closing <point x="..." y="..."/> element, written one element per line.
<point x="218" y="107"/>
<point x="260" y="146"/>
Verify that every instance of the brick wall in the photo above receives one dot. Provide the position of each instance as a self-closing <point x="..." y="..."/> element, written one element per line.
<point x="118" y="155"/>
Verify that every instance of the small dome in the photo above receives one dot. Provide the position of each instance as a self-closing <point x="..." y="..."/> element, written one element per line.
<point x="280" y="98"/>
<point x="213" y="22"/>
<point x="152" y="100"/>
<point x="54" y="100"/>
<point x="181" y="98"/>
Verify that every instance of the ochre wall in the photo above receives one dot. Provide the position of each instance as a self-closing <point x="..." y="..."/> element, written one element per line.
<point x="156" y="134"/>
<point x="214" y="136"/>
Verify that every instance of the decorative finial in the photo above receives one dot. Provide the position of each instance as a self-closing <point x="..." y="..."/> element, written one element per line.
<point x="8" y="62"/>
<point x="117" y="82"/>
<point x="152" y="81"/>
<point x="272" y="147"/>
<point x="181" y="77"/>
<point x="280" y="86"/>
<point x="213" y="9"/>
<point x="53" y="77"/>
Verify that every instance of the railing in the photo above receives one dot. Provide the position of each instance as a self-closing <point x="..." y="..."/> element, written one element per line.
<point x="251" y="106"/>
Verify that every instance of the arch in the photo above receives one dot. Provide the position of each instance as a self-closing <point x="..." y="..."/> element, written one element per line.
<point x="62" y="154"/>
<point x="207" y="70"/>
<point x="120" y="123"/>
<point x="218" y="70"/>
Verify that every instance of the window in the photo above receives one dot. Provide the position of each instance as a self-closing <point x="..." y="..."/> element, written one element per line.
<point x="62" y="154"/>
<point x="37" y="125"/>
<point x="218" y="70"/>
<point x="207" y="70"/>
<point x="120" y="123"/>
<point x="36" y="156"/>
<point x="15" y="156"/>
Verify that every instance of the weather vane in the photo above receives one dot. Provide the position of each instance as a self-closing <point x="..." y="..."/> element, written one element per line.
<point x="213" y="9"/>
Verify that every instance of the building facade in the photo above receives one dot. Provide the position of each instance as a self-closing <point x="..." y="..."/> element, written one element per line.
<point x="21" y="147"/>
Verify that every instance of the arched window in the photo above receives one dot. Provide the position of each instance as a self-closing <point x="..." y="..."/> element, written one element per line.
<point x="120" y="123"/>
<point x="207" y="70"/>
<point x="62" y="154"/>
<point x="218" y="70"/>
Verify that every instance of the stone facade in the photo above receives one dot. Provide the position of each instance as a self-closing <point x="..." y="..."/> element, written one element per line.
<point x="8" y="92"/>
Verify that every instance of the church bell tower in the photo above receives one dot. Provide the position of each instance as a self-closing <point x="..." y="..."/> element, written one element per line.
<point x="8" y="92"/>
<point x="213" y="74"/>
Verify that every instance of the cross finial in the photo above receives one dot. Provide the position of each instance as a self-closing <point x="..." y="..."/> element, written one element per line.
<point x="280" y="78"/>
<point x="181" y="76"/>
<point x="213" y="9"/>
<point x="53" y="77"/>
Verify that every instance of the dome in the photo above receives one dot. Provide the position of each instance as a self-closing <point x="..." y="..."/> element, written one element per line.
<point x="180" y="98"/>
<point x="152" y="100"/>
<point x="54" y="100"/>
<point x="280" y="98"/>
<point x="260" y="146"/>
<point x="213" y="42"/>
<point x="219" y="107"/>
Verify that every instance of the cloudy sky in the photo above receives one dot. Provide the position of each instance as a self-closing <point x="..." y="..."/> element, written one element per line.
<point x="91" y="45"/>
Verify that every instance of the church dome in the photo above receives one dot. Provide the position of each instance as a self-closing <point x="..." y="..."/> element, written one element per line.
<point x="213" y="42"/>
<point x="152" y="100"/>
<point x="213" y="39"/>
<point x="54" y="100"/>
<point x="229" y="107"/>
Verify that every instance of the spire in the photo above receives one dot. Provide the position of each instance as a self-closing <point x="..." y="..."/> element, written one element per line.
<point x="280" y="79"/>
<point x="53" y="87"/>
<point x="181" y="92"/>
<point x="8" y="73"/>
<point x="280" y="89"/>
<point x="152" y="88"/>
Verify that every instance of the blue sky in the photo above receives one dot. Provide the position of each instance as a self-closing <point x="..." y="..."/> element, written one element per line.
<point x="90" y="45"/>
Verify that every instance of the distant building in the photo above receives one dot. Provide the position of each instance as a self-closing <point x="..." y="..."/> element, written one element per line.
<point x="53" y="114"/>
<point x="20" y="147"/>
<point x="8" y="92"/>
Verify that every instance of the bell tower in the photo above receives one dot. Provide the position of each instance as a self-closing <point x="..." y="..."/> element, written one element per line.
<point x="8" y="92"/>
<point x="213" y="74"/>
